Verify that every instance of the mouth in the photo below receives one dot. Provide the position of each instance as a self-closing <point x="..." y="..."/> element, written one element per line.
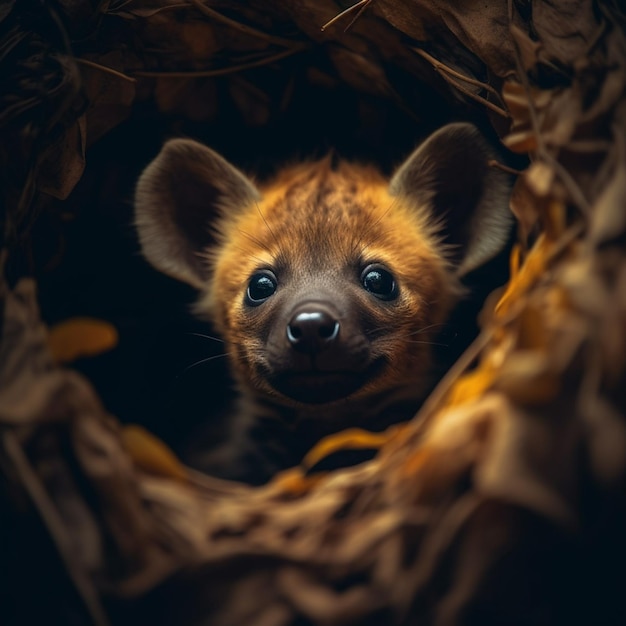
<point x="321" y="387"/>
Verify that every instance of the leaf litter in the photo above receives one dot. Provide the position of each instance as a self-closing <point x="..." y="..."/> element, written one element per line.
<point x="505" y="457"/>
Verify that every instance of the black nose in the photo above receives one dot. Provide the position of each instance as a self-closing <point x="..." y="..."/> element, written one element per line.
<point x="312" y="329"/>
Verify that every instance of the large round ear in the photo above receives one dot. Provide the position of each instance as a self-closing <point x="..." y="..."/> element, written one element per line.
<point x="449" y="177"/>
<point x="178" y="197"/>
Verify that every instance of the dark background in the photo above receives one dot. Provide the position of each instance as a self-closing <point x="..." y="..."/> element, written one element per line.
<point x="87" y="258"/>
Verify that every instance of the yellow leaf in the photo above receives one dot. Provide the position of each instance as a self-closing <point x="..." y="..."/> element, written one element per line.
<point x="150" y="454"/>
<point x="521" y="142"/>
<point x="471" y="385"/>
<point x="349" y="439"/>
<point x="80" y="337"/>
<point x="294" y="482"/>
<point x="515" y="261"/>
<point x="540" y="178"/>
<point x="526" y="276"/>
<point x="532" y="333"/>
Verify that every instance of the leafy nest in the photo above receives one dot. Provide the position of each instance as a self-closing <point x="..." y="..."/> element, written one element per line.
<point x="501" y="502"/>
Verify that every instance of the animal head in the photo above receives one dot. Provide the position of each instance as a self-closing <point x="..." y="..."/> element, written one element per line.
<point x="328" y="282"/>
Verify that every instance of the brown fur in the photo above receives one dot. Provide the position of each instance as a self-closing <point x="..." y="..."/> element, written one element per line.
<point x="312" y="218"/>
<point x="316" y="227"/>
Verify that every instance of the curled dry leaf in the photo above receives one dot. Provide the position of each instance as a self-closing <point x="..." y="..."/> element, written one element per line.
<point x="81" y="337"/>
<point x="110" y="90"/>
<point x="351" y="438"/>
<point x="502" y="501"/>
<point x="64" y="163"/>
<point x="524" y="208"/>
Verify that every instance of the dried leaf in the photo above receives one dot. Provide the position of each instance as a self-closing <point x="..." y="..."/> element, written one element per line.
<point x="524" y="207"/>
<point x="150" y="454"/>
<point x="349" y="439"/>
<point x="521" y="142"/>
<point x="529" y="49"/>
<point x="471" y="386"/>
<point x="81" y="337"/>
<point x="63" y="165"/>
<point x="527" y="379"/>
<point x="294" y="482"/>
<point x="110" y="90"/>
<point x="564" y="30"/>
<point x="540" y="179"/>
<point x="609" y="217"/>
<point x="356" y="71"/>
<point x="530" y="272"/>
<point x="468" y="510"/>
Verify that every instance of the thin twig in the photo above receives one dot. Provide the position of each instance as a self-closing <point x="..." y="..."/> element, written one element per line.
<point x="120" y="6"/>
<point x="167" y="7"/>
<point x="448" y="74"/>
<point x="534" y="119"/>
<point x="345" y="12"/>
<point x="449" y="70"/>
<point x="570" y="184"/>
<point x="107" y="70"/>
<point x="588" y="145"/>
<point x="243" y="28"/>
<point x="490" y="105"/>
<point x="504" y="168"/>
<point x="358" y="15"/>
<point x="223" y="71"/>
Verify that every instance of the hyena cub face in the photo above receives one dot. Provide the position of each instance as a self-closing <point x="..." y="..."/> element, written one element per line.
<point x="328" y="283"/>
<point x="326" y="287"/>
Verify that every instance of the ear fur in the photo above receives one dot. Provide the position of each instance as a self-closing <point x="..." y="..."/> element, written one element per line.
<point x="449" y="176"/>
<point x="177" y="197"/>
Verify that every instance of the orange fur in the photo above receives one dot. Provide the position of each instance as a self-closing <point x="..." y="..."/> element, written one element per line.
<point x="350" y="276"/>
<point x="313" y="216"/>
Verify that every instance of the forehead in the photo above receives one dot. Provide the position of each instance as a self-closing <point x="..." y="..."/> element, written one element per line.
<point x="313" y="209"/>
<point x="316" y="195"/>
<point x="316" y="222"/>
<point x="314" y="215"/>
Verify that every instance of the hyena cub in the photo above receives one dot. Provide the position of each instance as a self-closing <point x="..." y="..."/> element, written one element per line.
<point x="327" y="284"/>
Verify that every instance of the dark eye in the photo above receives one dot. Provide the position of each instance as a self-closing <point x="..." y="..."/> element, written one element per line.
<point x="261" y="286"/>
<point x="379" y="282"/>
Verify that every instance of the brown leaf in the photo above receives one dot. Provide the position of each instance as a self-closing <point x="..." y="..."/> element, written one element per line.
<point x="528" y="48"/>
<point x="540" y="179"/>
<point x="64" y="163"/>
<point x="110" y="90"/>
<point x="609" y="214"/>
<point x="521" y="142"/>
<point x="564" y="30"/>
<point x="524" y="207"/>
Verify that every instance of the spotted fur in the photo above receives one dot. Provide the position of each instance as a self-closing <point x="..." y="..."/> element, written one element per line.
<point x="315" y="226"/>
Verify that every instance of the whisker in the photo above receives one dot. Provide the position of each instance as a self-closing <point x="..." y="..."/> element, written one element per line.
<point x="419" y="331"/>
<point x="405" y="337"/>
<point x="424" y="329"/>
<point x="200" y="362"/>
<point x="206" y="337"/>
<point x="427" y="343"/>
